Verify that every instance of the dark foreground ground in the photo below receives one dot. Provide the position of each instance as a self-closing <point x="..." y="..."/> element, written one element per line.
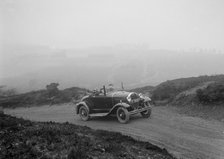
<point x="25" y="139"/>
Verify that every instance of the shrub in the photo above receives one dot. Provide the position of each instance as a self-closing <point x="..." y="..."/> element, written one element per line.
<point x="52" y="89"/>
<point x="214" y="93"/>
<point x="77" y="152"/>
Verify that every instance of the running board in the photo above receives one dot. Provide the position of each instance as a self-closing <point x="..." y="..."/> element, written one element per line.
<point x="130" y="113"/>
<point x="98" y="114"/>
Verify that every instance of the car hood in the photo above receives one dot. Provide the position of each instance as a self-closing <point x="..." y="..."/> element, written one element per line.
<point x="119" y="94"/>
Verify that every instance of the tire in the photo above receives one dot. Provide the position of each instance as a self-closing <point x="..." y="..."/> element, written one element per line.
<point x="146" y="114"/>
<point x="84" y="113"/>
<point x="122" y="115"/>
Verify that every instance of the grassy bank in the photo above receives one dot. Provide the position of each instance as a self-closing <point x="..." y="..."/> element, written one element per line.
<point x="25" y="139"/>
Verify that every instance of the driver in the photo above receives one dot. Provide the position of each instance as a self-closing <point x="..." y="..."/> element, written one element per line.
<point x="110" y="87"/>
<point x="96" y="92"/>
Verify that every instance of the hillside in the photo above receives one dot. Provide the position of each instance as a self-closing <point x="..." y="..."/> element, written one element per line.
<point x="25" y="139"/>
<point x="42" y="97"/>
<point x="147" y="90"/>
<point x="173" y="90"/>
<point x="201" y="96"/>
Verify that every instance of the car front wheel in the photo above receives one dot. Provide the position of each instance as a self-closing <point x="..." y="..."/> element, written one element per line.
<point x="122" y="115"/>
<point x="84" y="113"/>
<point x="146" y="114"/>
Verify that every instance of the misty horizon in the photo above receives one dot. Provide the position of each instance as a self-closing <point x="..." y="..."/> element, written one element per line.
<point x="33" y="67"/>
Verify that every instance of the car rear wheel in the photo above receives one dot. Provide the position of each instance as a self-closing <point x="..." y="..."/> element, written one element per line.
<point x="122" y="115"/>
<point x="146" y="114"/>
<point x="84" y="113"/>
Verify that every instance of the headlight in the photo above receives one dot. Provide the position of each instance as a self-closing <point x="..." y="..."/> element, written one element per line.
<point x="148" y="99"/>
<point x="129" y="98"/>
<point x="145" y="98"/>
<point x="141" y="95"/>
<point x="133" y="97"/>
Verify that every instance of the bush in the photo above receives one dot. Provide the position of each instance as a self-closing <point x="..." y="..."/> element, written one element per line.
<point x="77" y="152"/>
<point x="214" y="93"/>
<point x="52" y="89"/>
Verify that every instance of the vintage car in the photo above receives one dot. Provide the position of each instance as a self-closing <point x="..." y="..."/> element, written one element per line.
<point x="119" y="103"/>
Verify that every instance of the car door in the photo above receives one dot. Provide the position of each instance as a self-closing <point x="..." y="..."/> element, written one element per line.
<point x="100" y="104"/>
<point x="108" y="102"/>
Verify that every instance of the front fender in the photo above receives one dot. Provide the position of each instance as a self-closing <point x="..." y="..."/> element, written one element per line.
<point x="122" y="104"/>
<point x="119" y="105"/>
<point x="78" y="105"/>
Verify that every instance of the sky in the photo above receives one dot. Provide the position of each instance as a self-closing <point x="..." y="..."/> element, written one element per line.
<point x="36" y="37"/>
<point x="159" y="24"/>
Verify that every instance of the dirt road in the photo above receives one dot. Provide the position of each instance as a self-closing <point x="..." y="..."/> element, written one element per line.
<point x="184" y="137"/>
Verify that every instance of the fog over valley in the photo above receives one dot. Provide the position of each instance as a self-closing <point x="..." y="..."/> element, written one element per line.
<point x="33" y="67"/>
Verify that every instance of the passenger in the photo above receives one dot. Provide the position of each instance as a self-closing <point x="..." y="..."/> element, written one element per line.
<point x="110" y="87"/>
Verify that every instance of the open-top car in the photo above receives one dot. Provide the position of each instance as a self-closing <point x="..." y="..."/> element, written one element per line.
<point x="120" y="103"/>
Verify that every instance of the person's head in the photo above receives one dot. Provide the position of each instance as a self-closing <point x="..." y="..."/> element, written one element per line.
<point x="111" y="87"/>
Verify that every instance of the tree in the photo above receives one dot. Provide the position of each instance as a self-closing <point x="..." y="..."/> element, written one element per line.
<point x="52" y="89"/>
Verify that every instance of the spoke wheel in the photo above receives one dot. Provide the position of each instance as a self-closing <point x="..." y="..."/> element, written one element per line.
<point x="84" y="113"/>
<point x="147" y="113"/>
<point x="122" y="115"/>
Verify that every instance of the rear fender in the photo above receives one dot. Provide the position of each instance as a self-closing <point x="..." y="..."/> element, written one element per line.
<point x="79" y="105"/>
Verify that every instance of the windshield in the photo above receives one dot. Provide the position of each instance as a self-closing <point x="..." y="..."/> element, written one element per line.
<point x="109" y="89"/>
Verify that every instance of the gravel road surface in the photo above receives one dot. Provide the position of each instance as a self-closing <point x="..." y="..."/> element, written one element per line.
<point x="183" y="136"/>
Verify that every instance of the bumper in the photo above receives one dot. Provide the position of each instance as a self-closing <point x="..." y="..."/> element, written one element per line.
<point x="136" y="111"/>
